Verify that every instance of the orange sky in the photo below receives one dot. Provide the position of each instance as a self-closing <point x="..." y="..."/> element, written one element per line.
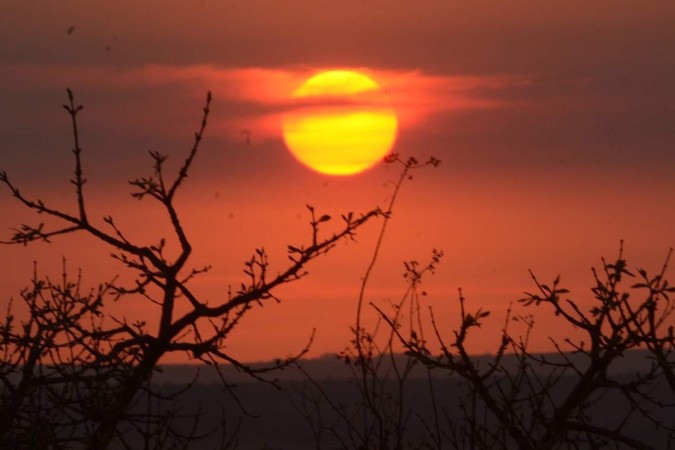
<point x="554" y="122"/>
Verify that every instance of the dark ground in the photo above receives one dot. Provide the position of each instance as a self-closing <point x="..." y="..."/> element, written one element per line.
<point x="271" y="418"/>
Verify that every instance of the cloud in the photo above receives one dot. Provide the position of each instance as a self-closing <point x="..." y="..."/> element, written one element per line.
<point x="256" y="98"/>
<point x="587" y="119"/>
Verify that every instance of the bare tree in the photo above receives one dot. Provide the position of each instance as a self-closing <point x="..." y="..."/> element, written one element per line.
<point x="47" y="360"/>
<point x="381" y="416"/>
<point x="122" y="345"/>
<point x="579" y="397"/>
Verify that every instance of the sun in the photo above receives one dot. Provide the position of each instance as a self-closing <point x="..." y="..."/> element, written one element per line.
<point x="341" y="124"/>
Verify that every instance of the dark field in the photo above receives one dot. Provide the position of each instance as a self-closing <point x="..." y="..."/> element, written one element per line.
<point x="288" y="417"/>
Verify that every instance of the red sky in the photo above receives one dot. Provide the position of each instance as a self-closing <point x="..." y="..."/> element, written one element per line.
<point x="554" y="122"/>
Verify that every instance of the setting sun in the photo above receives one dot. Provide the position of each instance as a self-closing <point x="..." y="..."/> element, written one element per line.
<point x="337" y="224"/>
<point x="341" y="124"/>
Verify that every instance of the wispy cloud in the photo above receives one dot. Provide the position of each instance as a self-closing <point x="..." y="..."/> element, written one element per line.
<point x="256" y="99"/>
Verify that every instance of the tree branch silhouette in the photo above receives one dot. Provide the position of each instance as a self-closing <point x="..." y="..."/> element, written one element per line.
<point x="553" y="402"/>
<point x="200" y="331"/>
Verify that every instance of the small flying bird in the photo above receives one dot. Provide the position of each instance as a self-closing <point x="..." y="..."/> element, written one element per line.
<point x="70" y="29"/>
<point x="246" y="134"/>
